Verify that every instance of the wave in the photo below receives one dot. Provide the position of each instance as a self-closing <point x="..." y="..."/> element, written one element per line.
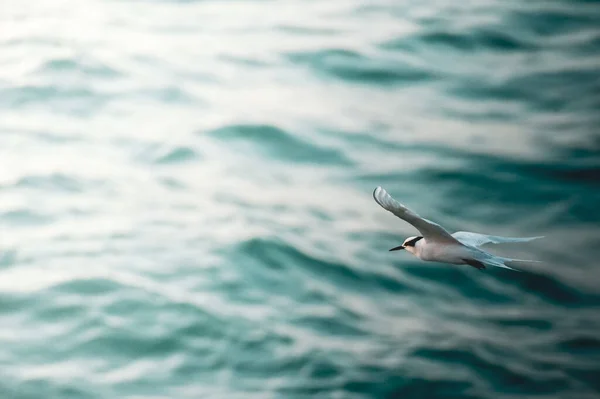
<point x="277" y="144"/>
<point x="352" y="66"/>
<point x="467" y="41"/>
<point x="70" y="66"/>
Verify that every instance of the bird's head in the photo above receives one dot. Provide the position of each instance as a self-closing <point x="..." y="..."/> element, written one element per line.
<point x="409" y="244"/>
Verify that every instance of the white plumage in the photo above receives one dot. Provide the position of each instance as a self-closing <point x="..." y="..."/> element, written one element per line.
<point x="438" y="245"/>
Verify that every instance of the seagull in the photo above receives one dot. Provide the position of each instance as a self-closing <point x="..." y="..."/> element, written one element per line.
<point x="435" y="244"/>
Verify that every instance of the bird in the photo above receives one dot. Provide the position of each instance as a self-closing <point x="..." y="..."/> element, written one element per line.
<point x="436" y="244"/>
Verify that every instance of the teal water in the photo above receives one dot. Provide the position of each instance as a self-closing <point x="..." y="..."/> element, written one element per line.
<point x="186" y="210"/>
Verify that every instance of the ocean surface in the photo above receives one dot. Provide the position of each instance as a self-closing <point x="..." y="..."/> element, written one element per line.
<point x="186" y="209"/>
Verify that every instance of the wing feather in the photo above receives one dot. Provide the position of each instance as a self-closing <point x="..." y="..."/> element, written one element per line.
<point x="477" y="240"/>
<point x="429" y="230"/>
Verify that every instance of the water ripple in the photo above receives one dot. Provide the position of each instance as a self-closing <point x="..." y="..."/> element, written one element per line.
<point x="276" y="143"/>
<point x="352" y="66"/>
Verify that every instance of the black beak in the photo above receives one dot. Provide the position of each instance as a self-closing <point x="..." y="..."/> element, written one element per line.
<point x="397" y="248"/>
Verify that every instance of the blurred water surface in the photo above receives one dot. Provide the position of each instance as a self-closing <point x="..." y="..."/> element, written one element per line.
<point x="186" y="211"/>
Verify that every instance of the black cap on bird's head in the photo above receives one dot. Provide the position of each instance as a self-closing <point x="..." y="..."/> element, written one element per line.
<point x="409" y="242"/>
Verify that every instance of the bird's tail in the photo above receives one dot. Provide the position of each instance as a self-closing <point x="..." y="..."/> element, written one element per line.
<point x="499" y="261"/>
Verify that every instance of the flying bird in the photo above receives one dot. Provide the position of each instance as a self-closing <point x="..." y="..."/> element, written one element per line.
<point x="435" y="244"/>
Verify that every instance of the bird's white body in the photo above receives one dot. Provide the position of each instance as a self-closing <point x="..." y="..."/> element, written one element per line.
<point x="446" y="253"/>
<point x="437" y="245"/>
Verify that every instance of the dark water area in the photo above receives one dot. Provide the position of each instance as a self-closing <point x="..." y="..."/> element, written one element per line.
<point x="186" y="209"/>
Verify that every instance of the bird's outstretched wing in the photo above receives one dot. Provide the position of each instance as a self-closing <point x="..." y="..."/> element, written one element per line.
<point x="431" y="231"/>
<point x="477" y="240"/>
<point x="498" y="261"/>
